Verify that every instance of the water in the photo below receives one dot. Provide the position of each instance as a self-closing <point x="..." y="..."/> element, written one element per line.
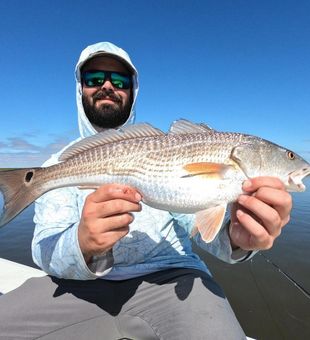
<point x="269" y="294"/>
<point x="16" y="236"/>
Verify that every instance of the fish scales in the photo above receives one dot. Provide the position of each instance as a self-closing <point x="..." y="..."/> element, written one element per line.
<point x="150" y="163"/>
<point x="148" y="156"/>
<point x="192" y="169"/>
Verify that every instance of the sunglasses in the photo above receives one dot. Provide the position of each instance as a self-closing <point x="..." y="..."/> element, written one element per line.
<point x="98" y="78"/>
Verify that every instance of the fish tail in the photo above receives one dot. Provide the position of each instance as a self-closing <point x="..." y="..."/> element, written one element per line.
<point x="18" y="191"/>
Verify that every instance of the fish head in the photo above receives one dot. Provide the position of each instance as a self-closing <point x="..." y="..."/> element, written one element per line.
<point x="259" y="157"/>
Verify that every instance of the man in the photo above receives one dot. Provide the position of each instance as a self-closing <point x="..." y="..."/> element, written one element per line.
<point x="150" y="285"/>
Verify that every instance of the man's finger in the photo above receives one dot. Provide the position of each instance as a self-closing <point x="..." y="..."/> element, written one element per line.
<point x="264" y="214"/>
<point x="110" y="208"/>
<point x="114" y="223"/>
<point x="106" y="241"/>
<point x="259" y="237"/>
<point x="253" y="184"/>
<point x="113" y="191"/>
<point x="280" y="200"/>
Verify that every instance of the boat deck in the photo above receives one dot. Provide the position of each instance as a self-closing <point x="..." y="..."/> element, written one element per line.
<point x="14" y="274"/>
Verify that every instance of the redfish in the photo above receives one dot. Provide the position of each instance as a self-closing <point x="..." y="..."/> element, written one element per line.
<point x="190" y="169"/>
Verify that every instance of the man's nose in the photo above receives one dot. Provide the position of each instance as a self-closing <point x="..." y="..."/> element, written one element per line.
<point x="107" y="85"/>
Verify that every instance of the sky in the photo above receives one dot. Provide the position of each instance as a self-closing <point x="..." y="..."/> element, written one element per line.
<point x="240" y="66"/>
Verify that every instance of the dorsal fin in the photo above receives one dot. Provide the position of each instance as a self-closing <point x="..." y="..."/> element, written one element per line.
<point x="110" y="136"/>
<point x="183" y="126"/>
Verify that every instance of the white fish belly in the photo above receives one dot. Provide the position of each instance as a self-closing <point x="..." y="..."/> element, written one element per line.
<point x="191" y="197"/>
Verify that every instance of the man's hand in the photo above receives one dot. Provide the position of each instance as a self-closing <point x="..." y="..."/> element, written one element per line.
<point x="257" y="219"/>
<point x="106" y="217"/>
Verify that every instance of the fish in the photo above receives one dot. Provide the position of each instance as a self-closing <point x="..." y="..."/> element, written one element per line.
<point x="191" y="169"/>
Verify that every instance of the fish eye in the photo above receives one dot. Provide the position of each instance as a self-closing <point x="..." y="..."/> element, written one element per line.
<point x="290" y="155"/>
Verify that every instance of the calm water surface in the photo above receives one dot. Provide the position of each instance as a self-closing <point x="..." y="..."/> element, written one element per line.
<point x="269" y="294"/>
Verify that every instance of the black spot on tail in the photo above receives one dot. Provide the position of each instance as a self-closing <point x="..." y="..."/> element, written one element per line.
<point x="28" y="176"/>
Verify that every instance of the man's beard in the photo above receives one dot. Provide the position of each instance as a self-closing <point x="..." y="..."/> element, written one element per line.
<point x="106" y="116"/>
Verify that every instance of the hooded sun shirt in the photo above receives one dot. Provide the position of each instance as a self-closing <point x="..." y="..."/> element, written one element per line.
<point x="157" y="239"/>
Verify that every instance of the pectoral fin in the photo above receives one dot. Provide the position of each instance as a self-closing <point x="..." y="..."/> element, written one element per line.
<point x="208" y="222"/>
<point x="208" y="169"/>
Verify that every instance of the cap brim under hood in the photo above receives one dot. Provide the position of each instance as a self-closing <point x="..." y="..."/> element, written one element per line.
<point x="109" y="49"/>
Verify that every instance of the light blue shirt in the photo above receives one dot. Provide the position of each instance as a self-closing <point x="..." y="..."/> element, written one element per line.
<point x="157" y="239"/>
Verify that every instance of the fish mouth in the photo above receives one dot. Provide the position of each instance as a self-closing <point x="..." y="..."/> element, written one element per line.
<point x="295" y="179"/>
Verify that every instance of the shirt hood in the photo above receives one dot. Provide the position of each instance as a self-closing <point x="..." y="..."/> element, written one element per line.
<point x="103" y="48"/>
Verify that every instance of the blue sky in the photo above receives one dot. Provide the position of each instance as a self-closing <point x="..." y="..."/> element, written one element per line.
<point x="236" y="65"/>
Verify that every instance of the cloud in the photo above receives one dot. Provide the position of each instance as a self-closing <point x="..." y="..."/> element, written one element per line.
<point x="16" y="143"/>
<point x="21" y="159"/>
<point x="2" y="145"/>
<point x="19" y="152"/>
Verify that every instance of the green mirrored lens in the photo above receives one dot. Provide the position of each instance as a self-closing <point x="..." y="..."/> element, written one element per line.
<point x="98" y="78"/>
<point x="93" y="79"/>
<point x="120" y="81"/>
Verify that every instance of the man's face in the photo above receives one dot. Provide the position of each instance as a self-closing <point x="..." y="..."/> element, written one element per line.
<point x="106" y="106"/>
